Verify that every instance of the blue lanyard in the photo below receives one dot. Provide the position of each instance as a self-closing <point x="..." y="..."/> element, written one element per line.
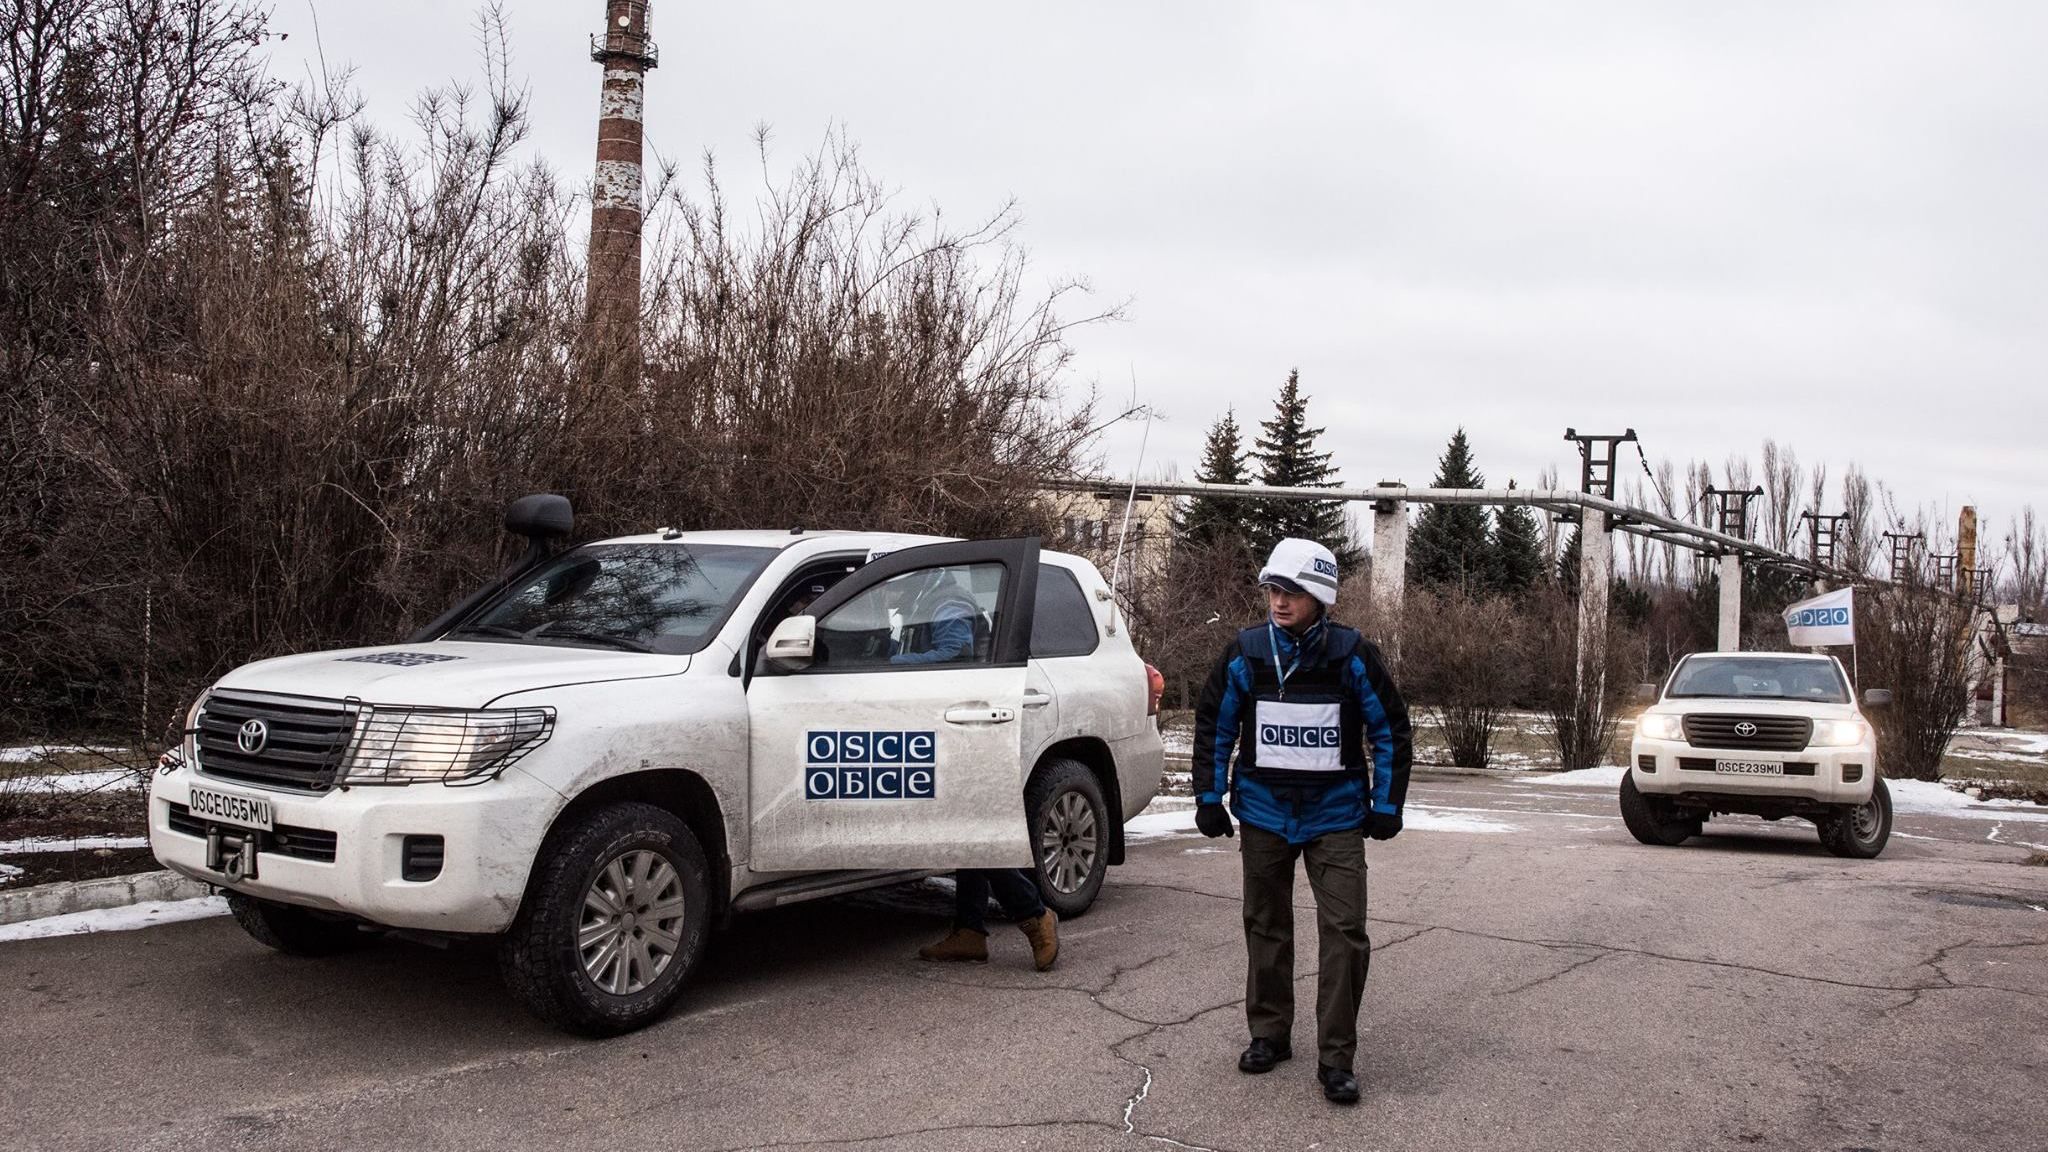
<point x="1300" y="646"/>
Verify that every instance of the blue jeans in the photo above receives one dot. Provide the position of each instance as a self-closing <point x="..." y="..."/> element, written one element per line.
<point x="1015" y="890"/>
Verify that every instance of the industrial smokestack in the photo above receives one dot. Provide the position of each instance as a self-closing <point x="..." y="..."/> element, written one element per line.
<point x="627" y="52"/>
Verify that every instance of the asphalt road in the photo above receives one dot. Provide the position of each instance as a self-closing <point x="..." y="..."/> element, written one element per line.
<point x="1544" y="983"/>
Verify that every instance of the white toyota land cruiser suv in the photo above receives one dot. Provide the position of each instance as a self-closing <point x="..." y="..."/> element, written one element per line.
<point x="1770" y="734"/>
<point x="604" y="752"/>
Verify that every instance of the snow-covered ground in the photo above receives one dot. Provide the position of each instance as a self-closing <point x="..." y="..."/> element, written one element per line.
<point x="147" y="914"/>
<point x="33" y="753"/>
<point x="70" y="843"/>
<point x="97" y="780"/>
<point x="1605" y="776"/>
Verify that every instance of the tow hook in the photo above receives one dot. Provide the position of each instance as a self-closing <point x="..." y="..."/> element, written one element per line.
<point x="232" y="856"/>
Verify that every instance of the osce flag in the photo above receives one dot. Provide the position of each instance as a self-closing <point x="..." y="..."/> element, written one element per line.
<point x="1823" y="621"/>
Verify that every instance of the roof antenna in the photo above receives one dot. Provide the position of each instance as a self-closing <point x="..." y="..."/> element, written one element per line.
<point x="1130" y="498"/>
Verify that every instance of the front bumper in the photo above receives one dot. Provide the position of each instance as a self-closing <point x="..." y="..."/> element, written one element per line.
<point x="1826" y="783"/>
<point x="490" y="834"/>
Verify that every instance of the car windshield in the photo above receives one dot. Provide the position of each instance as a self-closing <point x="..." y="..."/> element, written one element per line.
<point x="1752" y="678"/>
<point x="633" y="597"/>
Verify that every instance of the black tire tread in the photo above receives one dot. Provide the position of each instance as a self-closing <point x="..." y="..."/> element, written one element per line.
<point x="1837" y="833"/>
<point x="291" y="930"/>
<point x="1646" y="824"/>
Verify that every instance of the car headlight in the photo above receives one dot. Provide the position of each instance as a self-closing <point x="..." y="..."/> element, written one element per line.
<point x="1838" y="733"/>
<point x="395" y="745"/>
<point x="1660" y="726"/>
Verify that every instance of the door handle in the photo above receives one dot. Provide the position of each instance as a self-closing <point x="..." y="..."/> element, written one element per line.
<point x="1036" y="699"/>
<point x="979" y="714"/>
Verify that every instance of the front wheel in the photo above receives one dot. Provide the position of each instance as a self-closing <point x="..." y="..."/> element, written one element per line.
<point x="1649" y="818"/>
<point x="1070" y="834"/>
<point x="616" y="916"/>
<point x="1859" y="832"/>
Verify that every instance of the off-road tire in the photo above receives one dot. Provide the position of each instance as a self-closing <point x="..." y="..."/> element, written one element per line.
<point x="1860" y="831"/>
<point x="539" y="957"/>
<point x="292" y="930"/>
<point x="1054" y="783"/>
<point x="1649" y="819"/>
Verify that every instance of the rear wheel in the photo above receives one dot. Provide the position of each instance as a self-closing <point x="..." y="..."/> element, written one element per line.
<point x="1860" y="831"/>
<point x="616" y="916"/>
<point x="1649" y="818"/>
<point x="293" y="930"/>
<point x="1070" y="835"/>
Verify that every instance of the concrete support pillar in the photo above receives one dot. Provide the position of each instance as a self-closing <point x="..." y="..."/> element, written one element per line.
<point x="1389" y="572"/>
<point x="1998" y="692"/>
<point x="1596" y="579"/>
<point x="1730" y="639"/>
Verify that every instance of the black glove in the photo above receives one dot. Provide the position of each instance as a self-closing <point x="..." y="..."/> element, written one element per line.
<point x="1213" y="821"/>
<point x="1383" y="825"/>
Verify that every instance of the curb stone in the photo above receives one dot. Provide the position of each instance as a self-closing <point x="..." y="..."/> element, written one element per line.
<point x="86" y="895"/>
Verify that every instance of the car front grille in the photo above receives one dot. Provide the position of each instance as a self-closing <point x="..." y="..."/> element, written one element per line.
<point x="1755" y="733"/>
<point x="284" y="840"/>
<point x="302" y="747"/>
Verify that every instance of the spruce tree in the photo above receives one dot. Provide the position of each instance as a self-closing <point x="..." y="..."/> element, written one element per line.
<point x="1449" y="545"/>
<point x="1211" y="518"/>
<point x="1517" y="553"/>
<point x="1287" y="458"/>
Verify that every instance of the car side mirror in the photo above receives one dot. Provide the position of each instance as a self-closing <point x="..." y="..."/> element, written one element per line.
<point x="791" y="646"/>
<point x="1646" y="693"/>
<point x="541" y="516"/>
<point x="1877" y="698"/>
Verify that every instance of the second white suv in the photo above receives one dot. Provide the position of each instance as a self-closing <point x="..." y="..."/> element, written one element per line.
<point x="1770" y="734"/>
<point x="611" y="748"/>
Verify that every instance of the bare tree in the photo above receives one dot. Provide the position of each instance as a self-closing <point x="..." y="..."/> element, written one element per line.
<point x="1464" y="661"/>
<point x="1916" y="641"/>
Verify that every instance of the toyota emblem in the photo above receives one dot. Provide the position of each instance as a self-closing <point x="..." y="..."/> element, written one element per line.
<point x="253" y="736"/>
<point x="1744" y="730"/>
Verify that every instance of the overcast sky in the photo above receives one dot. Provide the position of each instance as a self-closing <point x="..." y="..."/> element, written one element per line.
<point x="1823" y="222"/>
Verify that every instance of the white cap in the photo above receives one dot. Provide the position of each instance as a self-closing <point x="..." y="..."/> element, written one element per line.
<point x="1298" y="565"/>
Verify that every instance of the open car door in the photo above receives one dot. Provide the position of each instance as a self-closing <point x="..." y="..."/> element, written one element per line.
<point x="896" y="744"/>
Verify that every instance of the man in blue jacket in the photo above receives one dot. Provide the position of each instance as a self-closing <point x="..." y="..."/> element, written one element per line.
<point x="1301" y="727"/>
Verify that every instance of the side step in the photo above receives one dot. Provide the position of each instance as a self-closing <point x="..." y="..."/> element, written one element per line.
<point x="800" y="888"/>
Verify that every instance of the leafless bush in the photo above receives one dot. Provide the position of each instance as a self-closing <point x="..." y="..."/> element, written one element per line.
<point x="1915" y="641"/>
<point x="1464" y="660"/>
<point x="1182" y="621"/>
<point x="1581" y="725"/>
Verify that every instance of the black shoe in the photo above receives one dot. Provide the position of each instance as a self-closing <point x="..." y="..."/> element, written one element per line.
<point x="1263" y="1054"/>
<point x="1339" y="1085"/>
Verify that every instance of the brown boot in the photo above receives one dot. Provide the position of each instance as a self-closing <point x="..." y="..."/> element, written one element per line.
<point x="960" y="945"/>
<point x="1044" y="933"/>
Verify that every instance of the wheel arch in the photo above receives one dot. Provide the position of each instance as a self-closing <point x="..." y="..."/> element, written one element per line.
<point x="675" y="790"/>
<point x="1093" y="754"/>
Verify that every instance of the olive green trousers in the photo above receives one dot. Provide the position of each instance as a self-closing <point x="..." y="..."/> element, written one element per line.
<point x="1336" y="875"/>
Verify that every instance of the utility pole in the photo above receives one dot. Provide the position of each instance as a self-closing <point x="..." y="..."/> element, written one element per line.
<point x="1389" y="571"/>
<point x="1596" y="562"/>
<point x="613" y="288"/>
<point x="1905" y="565"/>
<point x="1732" y="508"/>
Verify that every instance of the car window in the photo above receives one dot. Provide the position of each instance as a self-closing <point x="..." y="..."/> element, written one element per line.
<point x="1752" y="678"/>
<point x="919" y="619"/>
<point x="637" y="597"/>
<point x="1061" y="624"/>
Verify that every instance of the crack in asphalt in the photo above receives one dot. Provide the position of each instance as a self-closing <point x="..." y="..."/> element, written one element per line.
<point x="932" y="1130"/>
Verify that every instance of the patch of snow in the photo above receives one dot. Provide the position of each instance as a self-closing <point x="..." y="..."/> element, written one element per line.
<point x="70" y="843"/>
<point x="1421" y="817"/>
<point x="1926" y="798"/>
<point x="33" y="753"/>
<point x="147" y="914"/>
<point x="942" y="883"/>
<point x="1178" y="743"/>
<point x="8" y="872"/>
<point x="1164" y="817"/>
<point x="1605" y="776"/>
<point x="98" y="780"/>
